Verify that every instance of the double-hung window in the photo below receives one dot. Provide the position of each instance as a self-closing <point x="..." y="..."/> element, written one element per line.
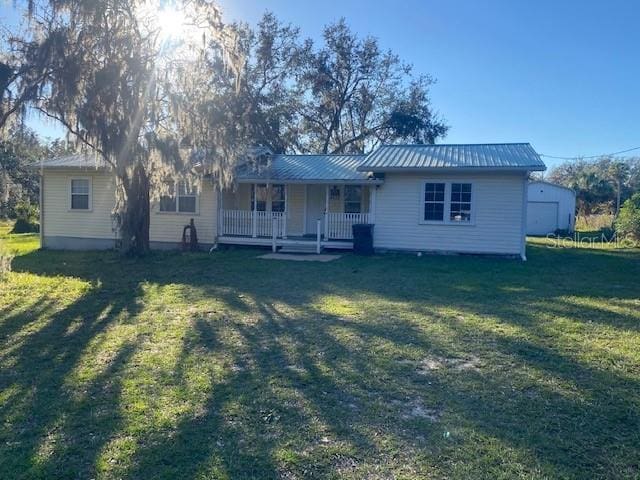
<point x="278" y="198"/>
<point x="268" y="198"/>
<point x="187" y="199"/>
<point x="447" y="203"/>
<point x="259" y="197"/>
<point x="352" y="198"/>
<point x="80" y="194"/>
<point x="184" y="200"/>
<point x="460" y="210"/>
<point x="434" y="202"/>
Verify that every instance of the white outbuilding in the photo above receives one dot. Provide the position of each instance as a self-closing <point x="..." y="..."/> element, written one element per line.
<point x="549" y="207"/>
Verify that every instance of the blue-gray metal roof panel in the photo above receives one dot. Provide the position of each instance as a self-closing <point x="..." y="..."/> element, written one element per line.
<point x="489" y="156"/>
<point x="299" y="168"/>
<point x="79" y="160"/>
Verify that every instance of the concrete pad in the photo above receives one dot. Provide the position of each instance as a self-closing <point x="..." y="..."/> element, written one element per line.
<point x="300" y="257"/>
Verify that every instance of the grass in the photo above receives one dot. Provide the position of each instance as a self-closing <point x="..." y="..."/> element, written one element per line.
<point x="229" y="366"/>
<point x="16" y="243"/>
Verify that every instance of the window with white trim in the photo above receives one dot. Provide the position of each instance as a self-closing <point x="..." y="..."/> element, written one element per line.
<point x="186" y="200"/>
<point x="259" y="196"/>
<point x="447" y="203"/>
<point x="272" y="198"/>
<point x="278" y="198"/>
<point x="434" y="202"/>
<point x="352" y="198"/>
<point x="460" y="208"/>
<point x="80" y="194"/>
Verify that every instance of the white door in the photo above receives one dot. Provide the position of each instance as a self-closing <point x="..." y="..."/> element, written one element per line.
<point x="542" y="218"/>
<point x="315" y="207"/>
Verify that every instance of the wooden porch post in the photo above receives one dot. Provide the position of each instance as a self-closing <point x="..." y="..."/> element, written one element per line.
<point x="318" y="235"/>
<point x="326" y="213"/>
<point x="373" y="189"/>
<point x="253" y="211"/>
<point x="274" y="234"/>
<point x="220" y="210"/>
<point x="286" y="211"/>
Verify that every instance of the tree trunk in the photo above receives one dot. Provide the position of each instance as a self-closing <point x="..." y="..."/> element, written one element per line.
<point x="618" y="194"/>
<point x="136" y="214"/>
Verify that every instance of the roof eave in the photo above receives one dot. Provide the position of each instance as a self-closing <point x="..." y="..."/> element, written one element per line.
<point x="312" y="181"/>
<point x="71" y="167"/>
<point x="529" y="168"/>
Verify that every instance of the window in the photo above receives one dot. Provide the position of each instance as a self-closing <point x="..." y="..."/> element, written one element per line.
<point x="168" y="202"/>
<point x="434" y="202"/>
<point x="447" y="202"/>
<point x="259" y="196"/>
<point x="186" y="201"/>
<point x="80" y="194"/>
<point x="268" y="198"/>
<point x="352" y="199"/>
<point x="460" y="210"/>
<point x="277" y="198"/>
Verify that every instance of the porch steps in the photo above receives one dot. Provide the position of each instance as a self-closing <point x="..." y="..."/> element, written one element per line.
<point x="306" y="247"/>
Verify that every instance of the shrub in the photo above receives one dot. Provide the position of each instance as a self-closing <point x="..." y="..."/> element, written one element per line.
<point x="25" y="226"/>
<point x="628" y="222"/>
<point x="27" y="218"/>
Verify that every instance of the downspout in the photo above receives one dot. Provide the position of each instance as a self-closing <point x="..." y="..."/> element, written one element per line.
<point x="523" y="226"/>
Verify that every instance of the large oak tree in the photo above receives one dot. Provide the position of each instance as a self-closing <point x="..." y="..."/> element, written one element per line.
<point x="128" y="80"/>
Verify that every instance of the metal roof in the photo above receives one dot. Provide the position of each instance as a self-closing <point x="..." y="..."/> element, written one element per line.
<point x="557" y="185"/>
<point x="308" y="168"/>
<point x="80" y="160"/>
<point x="502" y="156"/>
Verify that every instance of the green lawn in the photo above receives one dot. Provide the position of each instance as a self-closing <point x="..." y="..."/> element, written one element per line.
<point x="16" y="244"/>
<point x="229" y="366"/>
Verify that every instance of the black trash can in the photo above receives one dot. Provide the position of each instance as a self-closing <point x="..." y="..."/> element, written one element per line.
<point x="363" y="238"/>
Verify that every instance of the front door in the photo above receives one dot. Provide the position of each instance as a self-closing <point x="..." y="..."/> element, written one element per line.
<point x="315" y="207"/>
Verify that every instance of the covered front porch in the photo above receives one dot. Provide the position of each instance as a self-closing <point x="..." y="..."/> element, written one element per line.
<point x="308" y="216"/>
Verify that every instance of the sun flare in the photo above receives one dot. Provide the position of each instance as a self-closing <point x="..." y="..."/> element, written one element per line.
<point x="171" y="24"/>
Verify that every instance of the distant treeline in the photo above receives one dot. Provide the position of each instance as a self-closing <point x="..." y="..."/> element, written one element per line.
<point x="601" y="185"/>
<point x="21" y="150"/>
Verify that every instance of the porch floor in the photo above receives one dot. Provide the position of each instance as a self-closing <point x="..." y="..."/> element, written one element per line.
<point x="280" y="242"/>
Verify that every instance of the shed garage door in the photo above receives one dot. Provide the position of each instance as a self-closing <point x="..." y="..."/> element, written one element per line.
<point x="542" y="218"/>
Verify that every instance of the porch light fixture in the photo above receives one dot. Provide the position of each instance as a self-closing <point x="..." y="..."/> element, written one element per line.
<point x="334" y="194"/>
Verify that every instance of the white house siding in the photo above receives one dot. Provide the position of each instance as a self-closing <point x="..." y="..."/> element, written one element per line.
<point x="498" y="210"/>
<point x="542" y="193"/>
<point x="295" y="209"/>
<point x="63" y="226"/>
<point x="75" y="229"/>
<point x="166" y="228"/>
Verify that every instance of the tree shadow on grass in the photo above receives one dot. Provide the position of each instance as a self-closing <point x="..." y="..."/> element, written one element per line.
<point x="47" y="420"/>
<point x="303" y="385"/>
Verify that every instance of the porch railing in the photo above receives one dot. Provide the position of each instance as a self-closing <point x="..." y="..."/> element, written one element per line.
<point x="338" y="225"/>
<point x="247" y="223"/>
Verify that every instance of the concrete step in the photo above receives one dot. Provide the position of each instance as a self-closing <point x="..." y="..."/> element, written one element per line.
<point x="300" y="248"/>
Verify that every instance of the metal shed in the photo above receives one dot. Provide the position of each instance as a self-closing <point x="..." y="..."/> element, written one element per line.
<point x="549" y="207"/>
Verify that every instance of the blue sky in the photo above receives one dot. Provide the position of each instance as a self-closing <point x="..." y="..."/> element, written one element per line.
<point x="563" y="75"/>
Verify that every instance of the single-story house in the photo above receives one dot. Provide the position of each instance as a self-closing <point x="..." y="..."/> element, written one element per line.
<point x="550" y="207"/>
<point x="426" y="198"/>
